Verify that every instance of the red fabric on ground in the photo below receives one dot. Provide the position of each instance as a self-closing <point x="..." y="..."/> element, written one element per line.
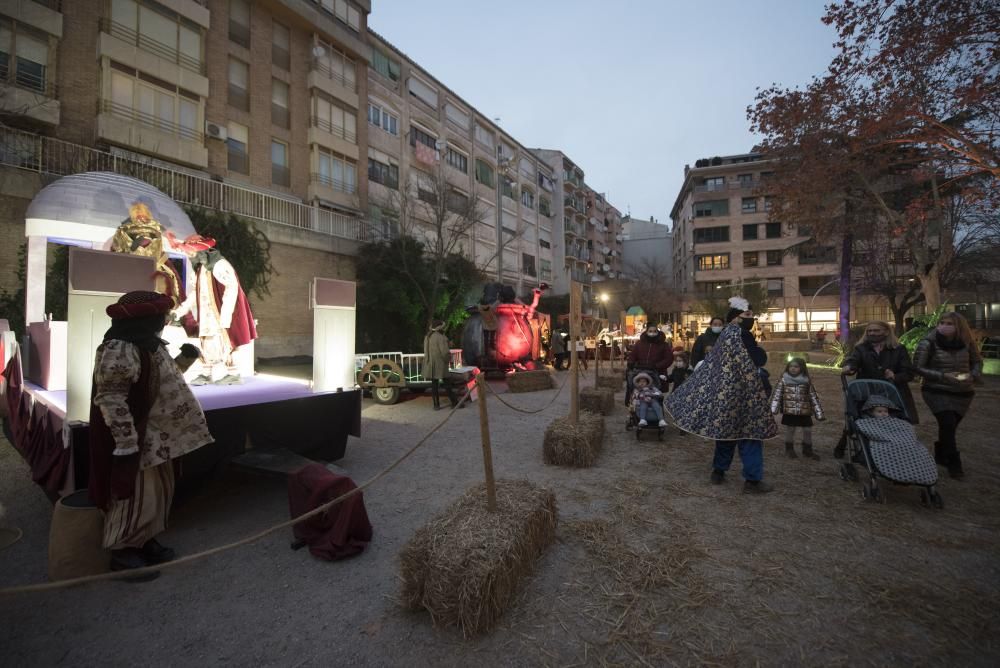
<point x="343" y="530"/>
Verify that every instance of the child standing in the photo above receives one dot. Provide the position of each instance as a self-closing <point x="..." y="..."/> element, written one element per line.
<point x="796" y="399"/>
<point x="646" y="400"/>
<point x="681" y="370"/>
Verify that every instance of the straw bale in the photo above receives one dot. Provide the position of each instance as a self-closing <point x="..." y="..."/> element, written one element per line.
<point x="578" y="445"/>
<point x="611" y="381"/>
<point x="597" y="400"/>
<point x="530" y="381"/>
<point x="465" y="565"/>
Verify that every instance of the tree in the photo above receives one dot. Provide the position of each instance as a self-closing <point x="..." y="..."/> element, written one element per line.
<point x="651" y="289"/>
<point x="754" y="290"/>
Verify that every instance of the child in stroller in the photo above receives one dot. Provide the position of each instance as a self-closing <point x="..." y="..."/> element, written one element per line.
<point x="645" y="405"/>
<point x="884" y="441"/>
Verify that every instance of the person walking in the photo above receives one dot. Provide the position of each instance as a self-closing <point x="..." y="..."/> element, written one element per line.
<point x="949" y="362"/>
<point x="652" y="351"/>
<point x="796" y="399"/>
<point x="437" y="360"/>
<point x="706" y="340"/>
<point x="558" y="348"/>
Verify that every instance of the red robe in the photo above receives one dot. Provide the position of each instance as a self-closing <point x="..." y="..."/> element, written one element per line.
<point x="242" y="329"/>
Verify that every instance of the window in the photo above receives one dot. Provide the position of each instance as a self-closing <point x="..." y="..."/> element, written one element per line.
<point x="713" y="262"/>
<point x="279" y="103"/>
<point x="380" y="118"/>
<point x="30" y="51"/>
<point x="426" y="190"/>
<point x="545" y="182"/>
<point x="546" y="266"/>
<point x="751" y="259"/>
<point x="336" y="120"/>
<point x="239" y="77"/>
<point x="545" y="206"/>
<point x="527" y="169"/>
<point x="718" y="207"/>
<point x="767" y="203"/>
<point x="527" y="198"/>
<point x="709" y="287"/>
<point x="154" y="103"/>
<point x="281" y="40"/>
<point x="774" y="258"/>
<point x="709" y="235"/>
<point x="543" y="239"/>
<point x="772" y="230"/>
<point x="746" y="180"/>
<point x="810" y="285"/>
<point x="425" y="138"/>
<point x="237" y="146"/>
<point x="458" y="116"/>
<point x="280" y="173"/>
<point x="484" y="173"/>
<point x="381" y="171"/>
<point x="239" y="22"/>
<point x="336" y="66"/>
<point x="384" y="65"/>
<point x="528" y="264"/>
<point x="158" y="30"/>
<point x="749" y="205"/>
<point x="812" y="253"/>
<point x="775" y="287"/>
<point x="485" y="137"/>
<point x="507" y="187"/>
<point x="715" y="183"/>
<point x="750" y="232"/>
<point x="423" y="92"/>
<point x="335" y="171"/>
<point x="458" y="202"/>
<point x="344" y="11"/>
<point x="457" y="160"/>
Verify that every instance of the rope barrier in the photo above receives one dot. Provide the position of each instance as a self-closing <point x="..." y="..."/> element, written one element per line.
<point x="132" y="573"/>
<point x="524" y="410"/>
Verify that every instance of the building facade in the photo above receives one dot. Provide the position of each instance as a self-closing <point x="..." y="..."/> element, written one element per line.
<point x="647" y="243"/>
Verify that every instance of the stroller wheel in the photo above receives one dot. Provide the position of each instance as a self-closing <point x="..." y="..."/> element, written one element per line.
<point x="848" y="473"/>
<point x="870" y="492"/>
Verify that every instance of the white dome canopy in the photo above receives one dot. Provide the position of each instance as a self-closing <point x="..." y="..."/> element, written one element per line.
<point x="90" y="206"/>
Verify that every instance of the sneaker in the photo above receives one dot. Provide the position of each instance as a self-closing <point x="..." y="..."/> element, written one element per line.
<point x="643" y="423"/>
<point x="202" y="380"/>
<point x="663" y="423"/>
<point x="229" y="379"/>
<point x="757" y="487"/>
<point x="718" y="477"/>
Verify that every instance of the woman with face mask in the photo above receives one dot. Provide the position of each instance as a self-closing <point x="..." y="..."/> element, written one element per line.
<point x="949" y="362"/>
<point x="706" y="339"/>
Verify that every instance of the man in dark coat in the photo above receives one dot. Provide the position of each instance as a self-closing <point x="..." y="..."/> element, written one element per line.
<point x="652" y="351"/>
<point x="706" y="339"/>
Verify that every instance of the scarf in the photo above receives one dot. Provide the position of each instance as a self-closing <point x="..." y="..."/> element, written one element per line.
<point x="800" y="379"/>
<point x="143" y="332"/>
<point x="945" y="344"/>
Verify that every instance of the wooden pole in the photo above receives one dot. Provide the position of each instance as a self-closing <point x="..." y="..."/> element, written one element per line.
<point x="574" y="366"/>
<point x="484" y="433"/>
<point x="597" y="361"/>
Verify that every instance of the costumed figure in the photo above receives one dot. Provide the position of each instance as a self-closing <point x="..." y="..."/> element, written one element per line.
<point x="219" y="306"/>
<point x="499" y="333"/>
<point x="725" y="400"/>
<point x="437" y="360"/>
<point x="142" y="417"/>
<point x="141" y="235"/>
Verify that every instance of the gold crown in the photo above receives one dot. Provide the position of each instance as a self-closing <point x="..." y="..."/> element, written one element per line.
<point x="140" y="220"/>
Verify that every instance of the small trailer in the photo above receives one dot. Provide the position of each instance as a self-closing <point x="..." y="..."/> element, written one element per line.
<point x="385" y="375"/>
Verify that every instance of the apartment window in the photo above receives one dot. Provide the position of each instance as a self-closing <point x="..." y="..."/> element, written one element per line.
<point x="527" y="198"/>
<point x="507" y="187"/>
<point x="335" y="171"/>
<point x="751" y="259"/>
<point x="280" y="173"/>
<point x="749" y="205"/>
<point x="336" y="120"/>
<point x="457" y="160"/>
<point x="484" y="173"/>
<point x="750" y="232"/>
<point x="812" y="253"/>
<point x="28" y="52"/>
<point x="239" y="78"/>
<point x="384" y="65"/>
<point x="423" y="92"/>
<point x="545" y="206"/>
<point x="718" y="207"/>
<point x="485" y="137"/>
<point x="715" y="183"/>
<point x="336" y="66"/>
<point x="713" y="262"/>
<point x="546" y="266"/>
<point x="528" y="264"/>
<point x="383" y="172"/>
<point x="158" y="30"/>
<point x="239" y="22"/>
<point x="746" y="180"/>
<point x="709" y="235"/>
<point x="543" y="239"/>
<point x="458" y="116"/>
<point x="279" y="103"/>
<point x="810" y="285"/>
<point x="281" y="46"/>
<point x="774" y="258"/>
<point x="764" y="176"/>
<point x="154" y="103"/>
<point x="545" y="182"/>
<point x="458" y="202"/>
<point x="380" y="118"/>
<point x="775" y="287"/>
<point x="425" y="138"/>
<point x="344" y="11"/>
<point x="238" y="148"/>
<point x="772" y="230"/>
<point x="426" y="190"/>
<point x="767" y="203"/>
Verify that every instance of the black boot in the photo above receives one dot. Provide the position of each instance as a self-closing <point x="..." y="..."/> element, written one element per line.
<point x="807" y="452"/>
<point x="939" y="457"/>
<point x="955" y="466"/>
<point x="437" y="401"/>
<point x="790" y="450"/>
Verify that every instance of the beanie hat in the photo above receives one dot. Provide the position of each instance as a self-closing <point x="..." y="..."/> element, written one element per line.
<point x="139" y="304"/>
<point x="878" y="400"/>
<point x="643" y="375"/>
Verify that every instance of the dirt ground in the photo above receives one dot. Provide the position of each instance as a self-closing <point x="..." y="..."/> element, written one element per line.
<point x="652" y="564"/>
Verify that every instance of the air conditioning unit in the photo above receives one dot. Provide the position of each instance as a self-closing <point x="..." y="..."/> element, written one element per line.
<point x="216" y="131"/>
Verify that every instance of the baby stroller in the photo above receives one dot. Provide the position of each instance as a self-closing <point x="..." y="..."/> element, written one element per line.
<point x="632" y="421"/>
<point x="916" y="464"/>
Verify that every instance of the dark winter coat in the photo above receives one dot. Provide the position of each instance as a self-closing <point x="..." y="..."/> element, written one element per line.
<point x="870" y="365"/>
<point x="705" y="339"/>
<point x="652" y="352"/>
<point x="935" y="357"/>
<point x="437" y="355"/>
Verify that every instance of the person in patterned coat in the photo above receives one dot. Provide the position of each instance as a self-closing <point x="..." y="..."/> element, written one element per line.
<point x="143" y="416"/>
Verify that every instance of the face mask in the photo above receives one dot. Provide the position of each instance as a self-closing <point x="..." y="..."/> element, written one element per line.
<point x="716" y="330"/>
<point x="876" y="338"/>
<point x="946" y="330"/>
<point x="679" y="365"/>
<point x="651" y="332"/>
<point x="747" y="323"/>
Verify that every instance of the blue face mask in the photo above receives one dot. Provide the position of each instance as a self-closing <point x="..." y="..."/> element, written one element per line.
<point x="717" y="330"/>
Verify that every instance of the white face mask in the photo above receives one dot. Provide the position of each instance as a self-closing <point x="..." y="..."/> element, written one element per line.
<point x="679" y="365"/>
<point x="716" y="330"/>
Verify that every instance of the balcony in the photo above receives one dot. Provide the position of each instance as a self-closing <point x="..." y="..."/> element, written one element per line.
<point x="44" y="15"/>
<point x="132" y="128"/>
<point x="324" y="133"/>
<point x="150" y="45"/>
<point x="322" y="77"/>
<point x="137" y="51"/>
<point x="337" y="191"/>
<point x="29" y="92"/>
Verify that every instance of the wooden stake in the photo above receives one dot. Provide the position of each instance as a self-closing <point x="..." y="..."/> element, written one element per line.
<point x="574" y="366"/>
<point x="484" y="433"/>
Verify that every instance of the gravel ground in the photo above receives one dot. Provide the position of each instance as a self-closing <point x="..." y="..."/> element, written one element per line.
<point x="652" y="565"/>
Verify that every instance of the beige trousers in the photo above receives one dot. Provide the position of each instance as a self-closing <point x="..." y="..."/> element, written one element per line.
<point x="132" y="522"/>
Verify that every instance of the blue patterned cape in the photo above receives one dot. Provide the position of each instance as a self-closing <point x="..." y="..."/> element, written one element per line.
<point x="724" y="400"/>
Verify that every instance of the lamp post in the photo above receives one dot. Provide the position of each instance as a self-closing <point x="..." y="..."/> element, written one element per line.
<point x="813" y="301"/>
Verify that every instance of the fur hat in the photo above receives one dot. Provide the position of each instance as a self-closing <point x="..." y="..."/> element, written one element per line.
<point x="139" y="304"/>
<point x="737" y="305"/>
<point x="642" y="375"/>
<point x="878" y="400"/>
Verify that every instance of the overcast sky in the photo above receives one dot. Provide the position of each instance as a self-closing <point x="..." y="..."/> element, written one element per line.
<point x="631" y="90"/>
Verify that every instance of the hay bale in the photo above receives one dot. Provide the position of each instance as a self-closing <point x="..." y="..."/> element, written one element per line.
<point x="465" y="565"/>
<point x="530" y="381"/>
<point x="611" y="381"/>
<point x="578" y="445"/>
<point x="597" y="400"/>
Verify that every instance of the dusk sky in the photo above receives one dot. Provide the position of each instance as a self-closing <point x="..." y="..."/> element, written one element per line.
<point x="631" y="90"/>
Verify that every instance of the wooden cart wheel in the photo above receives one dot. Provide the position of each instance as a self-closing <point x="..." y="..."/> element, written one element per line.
<point x="384" y="379"/>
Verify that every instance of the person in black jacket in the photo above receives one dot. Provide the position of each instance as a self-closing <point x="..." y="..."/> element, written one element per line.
<point x="706" y="339"/>
<point x="879" y="356"/>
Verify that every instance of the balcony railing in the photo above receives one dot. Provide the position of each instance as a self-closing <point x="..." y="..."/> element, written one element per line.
<point x="54" y="158"/>
<point x="329" y="73"/>
<point x="335" y="130"/>
<point x="54" y="5"/>
<point x="150" y="121"/>
<point x="336" y="184"/>
<point x="165" y="51"/>
<point x="26" y="79"/>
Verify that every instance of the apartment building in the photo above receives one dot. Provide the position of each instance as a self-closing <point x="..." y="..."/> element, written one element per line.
<point x="721" y="236"/>
<point x="605" y="238"/>
<point x="648" y="243"/>
<point x="252" y="107"/>
<point x="421" y="133"/>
